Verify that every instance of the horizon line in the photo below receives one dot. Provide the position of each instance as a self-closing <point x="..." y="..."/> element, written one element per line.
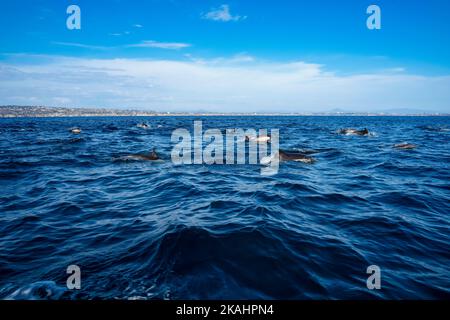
<point x="51" y="112"/>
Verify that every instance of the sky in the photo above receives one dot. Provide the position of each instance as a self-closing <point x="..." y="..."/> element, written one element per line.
<point x="227" y="56"/>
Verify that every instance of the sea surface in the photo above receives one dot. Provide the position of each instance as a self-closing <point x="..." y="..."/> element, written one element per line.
<point x="155" y="230"/>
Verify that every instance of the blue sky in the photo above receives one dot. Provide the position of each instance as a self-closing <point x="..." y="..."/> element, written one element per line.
<point x="286" y="56"/>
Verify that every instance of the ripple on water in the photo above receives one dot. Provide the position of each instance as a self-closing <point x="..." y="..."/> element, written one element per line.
<point x="146" y="230"/>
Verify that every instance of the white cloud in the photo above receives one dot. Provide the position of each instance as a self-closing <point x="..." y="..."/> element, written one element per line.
<point x="79" y="45"/>
<point x="143" y="44"/>
<point x="161" y="45"/>
<point x="237" y="58"/>
<point x="230" y="85"/>
<point x="137" y="25"/>
<point x="223" y="14"/>
<point x="118" y="34"/>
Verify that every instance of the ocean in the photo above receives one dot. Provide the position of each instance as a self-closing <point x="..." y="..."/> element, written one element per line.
<point x="155" y="230"/>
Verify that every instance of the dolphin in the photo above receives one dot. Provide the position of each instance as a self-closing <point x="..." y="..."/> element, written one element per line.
<point x="258" y="138"/>
<point x="355" y="132"/>
<point x="143" y="125"/>
<point x="288" y="156"/>
<point x="141" y="157"/>
<point x="405" y="146"/>
<point x="295" y="156"/>
<point x="75" y="130"/>
<point x="307" y="151"/>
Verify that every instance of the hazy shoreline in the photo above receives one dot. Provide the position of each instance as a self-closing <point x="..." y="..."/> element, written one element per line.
<point x="60" y="112"/>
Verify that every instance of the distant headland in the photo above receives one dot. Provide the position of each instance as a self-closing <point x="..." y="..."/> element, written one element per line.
<point x="13" y="111"/>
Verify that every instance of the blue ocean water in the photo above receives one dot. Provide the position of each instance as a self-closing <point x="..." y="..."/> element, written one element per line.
<point x="154" y="230"/>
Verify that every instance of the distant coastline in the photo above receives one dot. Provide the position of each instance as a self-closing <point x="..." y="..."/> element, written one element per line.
<point x="59" y="112"/>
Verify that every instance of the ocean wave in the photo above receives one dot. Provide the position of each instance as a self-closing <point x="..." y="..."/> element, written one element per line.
<point x="141" y="230"/>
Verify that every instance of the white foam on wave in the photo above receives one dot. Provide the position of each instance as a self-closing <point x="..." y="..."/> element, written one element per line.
<point x="41" y="290"/>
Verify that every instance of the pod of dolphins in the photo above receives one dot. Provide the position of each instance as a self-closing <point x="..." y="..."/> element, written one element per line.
<point x="297" y="156"/>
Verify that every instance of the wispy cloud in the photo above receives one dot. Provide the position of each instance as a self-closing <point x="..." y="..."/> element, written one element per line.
<point x="223" y="14"/>
<point x="118" y="34"/>
<point x="237" y="59"/>
<point x="161" y="45"/>
<point x="137" y="25"/>
<point x="143" y="44"/>
<point x="232" y="85"/>
<point x="79" y="45"/>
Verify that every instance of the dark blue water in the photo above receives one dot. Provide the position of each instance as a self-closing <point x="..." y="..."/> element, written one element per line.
<point x="156" y="230"/>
